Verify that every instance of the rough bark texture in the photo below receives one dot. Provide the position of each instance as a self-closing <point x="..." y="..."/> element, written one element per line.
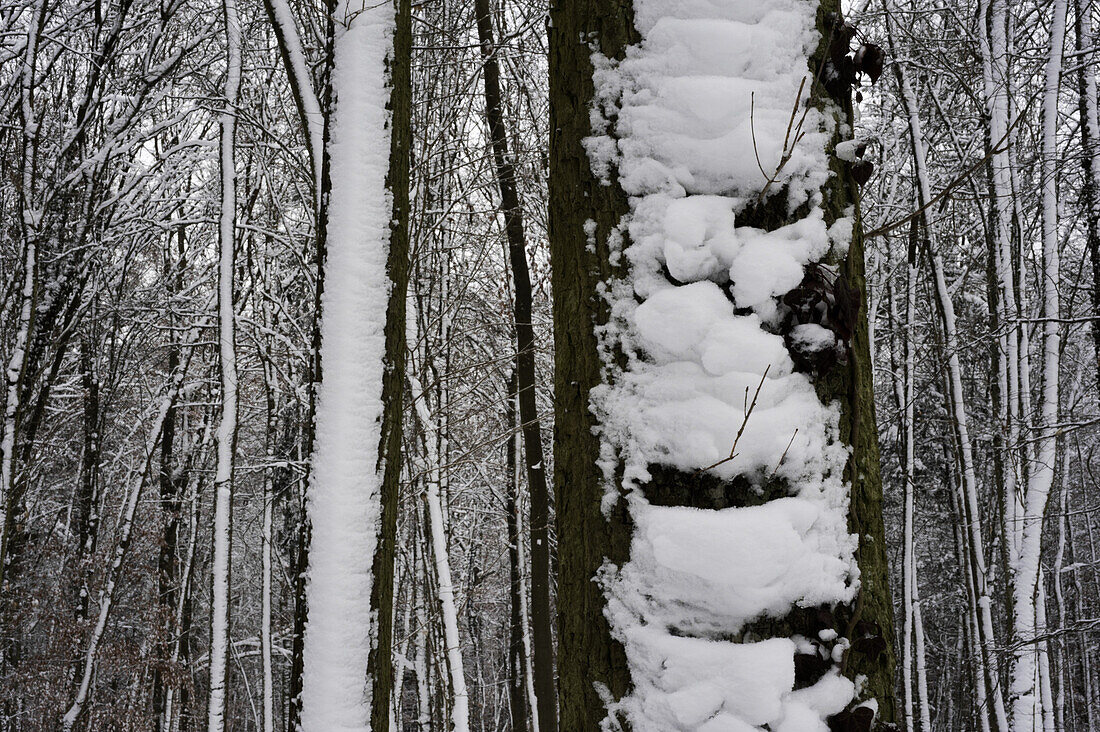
<point x="389" y="449"/>
<point x="589" y="660"/>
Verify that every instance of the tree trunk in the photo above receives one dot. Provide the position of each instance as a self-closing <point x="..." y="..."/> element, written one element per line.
<point x="221" y="562"/>
<point x="517" y="658"/>
<point x="592" y="663"/>
<point x="356" y="460"/>
<point x="543" y="659"/>
<point x="1090" y="163"/>
<point x="643" y="489"/>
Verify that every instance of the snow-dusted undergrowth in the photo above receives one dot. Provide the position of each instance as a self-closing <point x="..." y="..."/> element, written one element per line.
<point x="698" y="319"/>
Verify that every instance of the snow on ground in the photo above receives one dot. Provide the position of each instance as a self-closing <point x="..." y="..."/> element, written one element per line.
<point x="696" y="120"/>
<point x="344" y="499"/>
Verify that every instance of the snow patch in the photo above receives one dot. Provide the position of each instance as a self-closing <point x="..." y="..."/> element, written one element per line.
<point x="344" y="502"/>
<point x="695" y="121"/>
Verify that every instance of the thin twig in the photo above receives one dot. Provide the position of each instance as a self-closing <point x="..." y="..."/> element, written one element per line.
<point x="788" y="146"/>
<point x="745" y="421"/>
<point x="994" y="150"/>
<point x="784" y="455"/>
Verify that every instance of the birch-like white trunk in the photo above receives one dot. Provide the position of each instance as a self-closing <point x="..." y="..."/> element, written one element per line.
<point x="440" y="558"/>
<point x="1025" y="672"/>
<point x="30" y="217"/>
<point x="227" y="428"/>
<point x="923" y="702"/>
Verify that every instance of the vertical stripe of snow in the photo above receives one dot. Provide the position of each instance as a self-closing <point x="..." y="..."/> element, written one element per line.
<point x="344" y="500"/>
<point x="710" y="83"/>
<point x="227" y="427"/>
<point x="1023" y="689"/>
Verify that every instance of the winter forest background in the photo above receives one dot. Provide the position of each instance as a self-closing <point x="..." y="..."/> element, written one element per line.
<point x="164" y="166"/>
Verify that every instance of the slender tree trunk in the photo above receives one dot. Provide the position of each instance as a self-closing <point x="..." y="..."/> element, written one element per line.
<point x="437" y="540"/>
<point x="30" y="218"/>
<point x="992" y="18"/>
<point x="126" y="528"/>
<point x="87" y="498"/>
<point x="981" y="606"/>
<point x="221" y="563"/>
<point x="517" y="657"/>
<point x="908" y="566"/>
<point x="1023" y="692"/>
<point x="169" y="485"/>
<point x="1090" y="162"/>
<point x="543" y="658"/>
<point x="296" y="65"/>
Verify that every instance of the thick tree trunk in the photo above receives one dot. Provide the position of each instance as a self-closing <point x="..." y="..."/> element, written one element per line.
<point x="597" y="506"/>
<point x="592" y="663"/>
<point x="356" y="462"/>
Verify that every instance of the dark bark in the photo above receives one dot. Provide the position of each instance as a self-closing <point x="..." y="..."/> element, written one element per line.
<point x="169" y="484"/>
<point x="389" y="448"/>
<point x="542" y="636"/>
<point x="517" y="662"/>
<point x="86" y="501"/>
<point x="589" y="656"/>
<point x="300" y="550"/>
<point x="1089" y="194"/>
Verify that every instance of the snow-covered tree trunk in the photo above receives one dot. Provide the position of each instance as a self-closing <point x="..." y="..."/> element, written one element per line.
<point x="266" y="537"/>
<point x="923" y="701"/>
<point x="352" y="502"/>
<point x="30" y="220"/>
<point x="310" y="116"/>
<point x="908" y="562"/>
<point x="221" y="561"/>
<point x="992" y="18"/>
<point x="1023" y="689"/>
<point x="436" y="541"/>
<point x="708" y="286"/>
